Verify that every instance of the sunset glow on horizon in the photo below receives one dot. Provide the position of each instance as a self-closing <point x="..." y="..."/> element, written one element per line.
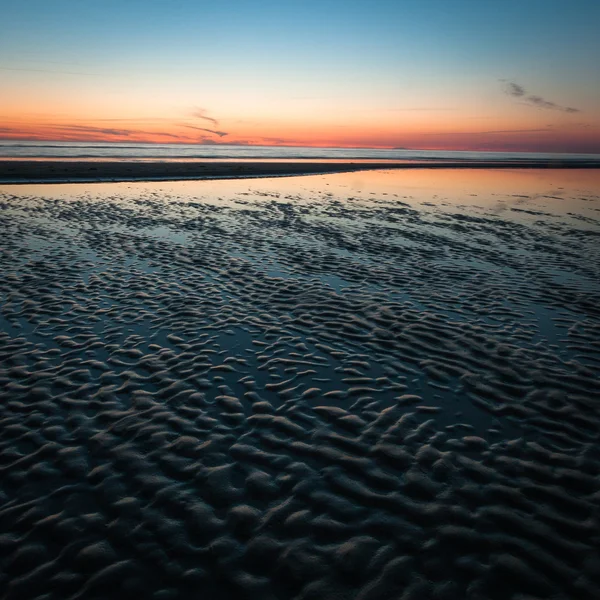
<point x="388" y="74"/>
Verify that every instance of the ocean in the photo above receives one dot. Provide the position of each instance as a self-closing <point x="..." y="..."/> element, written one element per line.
<point x="165" y="152"/>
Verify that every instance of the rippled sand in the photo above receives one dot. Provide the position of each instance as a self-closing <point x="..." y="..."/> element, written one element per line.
<point x="366" y="386"/>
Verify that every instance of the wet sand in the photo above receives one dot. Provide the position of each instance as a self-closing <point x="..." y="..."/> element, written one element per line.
<point x="48" y="171"/>
<point x="360" y="386"/>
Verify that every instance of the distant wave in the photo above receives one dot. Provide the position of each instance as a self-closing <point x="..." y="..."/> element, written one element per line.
<point x="141" y="151"/>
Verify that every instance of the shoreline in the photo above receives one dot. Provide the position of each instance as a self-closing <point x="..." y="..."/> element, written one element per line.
<point x="37" y="171"/>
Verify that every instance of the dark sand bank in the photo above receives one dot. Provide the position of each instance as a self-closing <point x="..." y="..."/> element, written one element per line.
<point x="48" y="171"/>
<point x="374" y="386"/>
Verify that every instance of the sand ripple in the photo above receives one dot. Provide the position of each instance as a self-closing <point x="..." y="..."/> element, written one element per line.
<point x="309" y="398"/>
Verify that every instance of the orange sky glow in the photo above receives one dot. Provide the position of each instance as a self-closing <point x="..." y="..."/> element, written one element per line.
<point x="474" y="78"/>
<point x="419" y="132"/>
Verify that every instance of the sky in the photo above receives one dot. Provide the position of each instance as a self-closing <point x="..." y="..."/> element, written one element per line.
<point x="510" y="75"/>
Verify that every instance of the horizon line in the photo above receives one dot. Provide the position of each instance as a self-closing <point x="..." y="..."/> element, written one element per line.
<point x="249" y="145"/>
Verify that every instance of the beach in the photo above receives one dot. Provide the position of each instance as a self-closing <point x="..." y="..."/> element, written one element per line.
<point x="373" y="384"/>
<point x="73" y="170"/>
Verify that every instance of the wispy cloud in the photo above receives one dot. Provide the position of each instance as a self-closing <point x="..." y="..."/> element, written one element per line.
<point x="213" y="131"/>
<point x="493" y="132"/>
<point x="89" y="129"/>
<point x="514" y="89"/>
<point x="200" y="113"/>
<point x="111" y="131"/>
<point x="85" y="133"/>
<point x="518" y="91"/>
<point x="542" y="103"/>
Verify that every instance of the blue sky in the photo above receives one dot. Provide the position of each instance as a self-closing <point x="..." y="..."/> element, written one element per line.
<point x="312" y="65"/>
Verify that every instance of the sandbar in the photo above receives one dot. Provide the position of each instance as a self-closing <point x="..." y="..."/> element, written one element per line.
<point x="81" y="171"/>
